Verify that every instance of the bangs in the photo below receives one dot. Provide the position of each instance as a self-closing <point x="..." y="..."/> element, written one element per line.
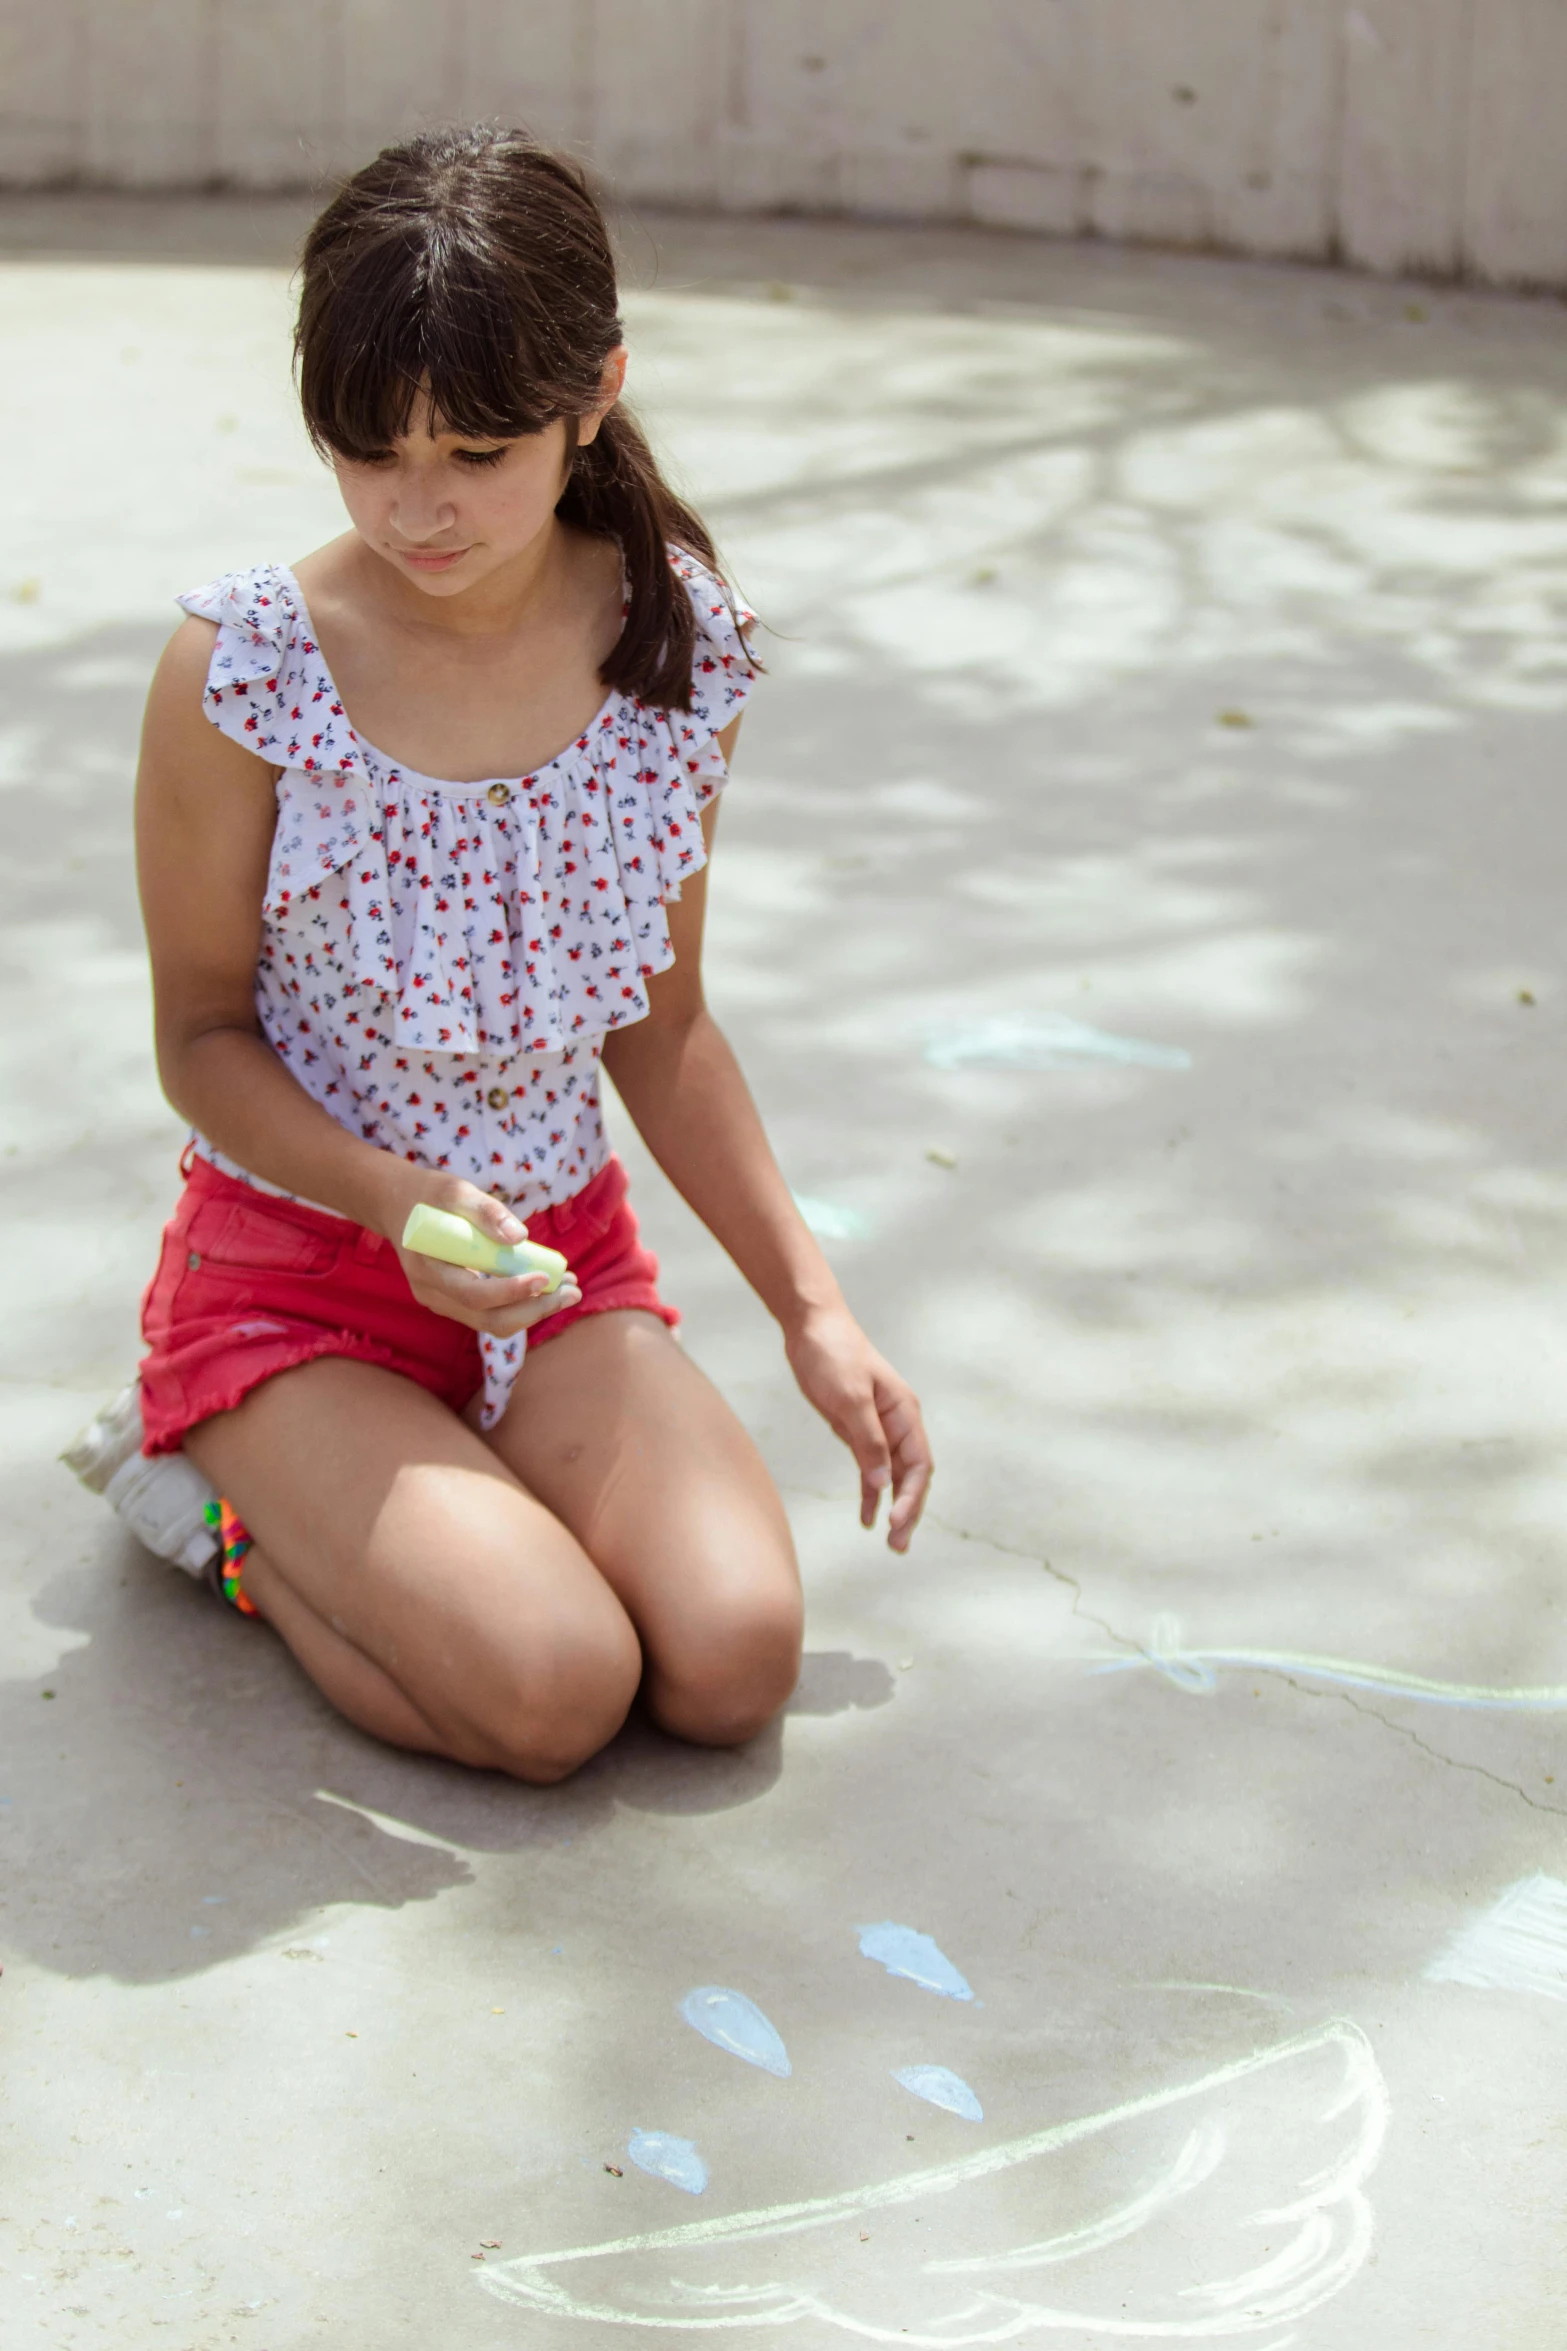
<point x="419" y="326"/>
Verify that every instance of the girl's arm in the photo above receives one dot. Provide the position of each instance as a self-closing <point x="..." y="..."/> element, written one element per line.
<point x="205" y="815"/>
<point x="682" y="1085"/>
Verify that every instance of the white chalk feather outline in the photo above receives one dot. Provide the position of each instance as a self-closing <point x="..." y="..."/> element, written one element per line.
<point x="1303" y="2275"/>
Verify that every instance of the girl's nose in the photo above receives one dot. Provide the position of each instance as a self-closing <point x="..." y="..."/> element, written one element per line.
<point x="415" y="517"/>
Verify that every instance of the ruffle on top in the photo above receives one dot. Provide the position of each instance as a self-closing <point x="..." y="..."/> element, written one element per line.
<point x="514" y="916"/>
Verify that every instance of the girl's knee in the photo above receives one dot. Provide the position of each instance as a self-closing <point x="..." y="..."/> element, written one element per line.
<point x="546" y="1743"/>
<point x="727" y="1686"/>
<point x="553" y="1713"/>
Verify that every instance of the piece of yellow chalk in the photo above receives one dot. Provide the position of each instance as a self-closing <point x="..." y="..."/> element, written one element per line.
<point x="437" y="1232"/>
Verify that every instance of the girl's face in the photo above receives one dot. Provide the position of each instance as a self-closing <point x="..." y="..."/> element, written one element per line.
<point x="447" y="511"/>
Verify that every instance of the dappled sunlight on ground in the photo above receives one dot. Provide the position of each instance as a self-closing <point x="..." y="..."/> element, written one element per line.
<point x="1167" y="675"/>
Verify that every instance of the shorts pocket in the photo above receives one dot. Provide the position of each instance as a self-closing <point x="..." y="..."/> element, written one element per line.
<point x="234" y="1237"/>
<point x="581" y="1223"/>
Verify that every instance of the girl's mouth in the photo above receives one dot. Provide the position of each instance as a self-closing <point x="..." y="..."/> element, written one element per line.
<point x="436" y="559"/>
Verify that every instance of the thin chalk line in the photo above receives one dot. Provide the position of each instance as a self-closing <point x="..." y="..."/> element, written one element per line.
<point x="1025" y="2318"/>
<point x="401" y="1831"/>
<point x="1311" y="2242"/>
<point x="1187" y="1671"/>
<point x="783" y="2219"/>
<point x="1143" y="1656"/>
<point x="1236" y="1991"/>
<point x="1198" y="2159"/>
<point x="1349" y="1673"/>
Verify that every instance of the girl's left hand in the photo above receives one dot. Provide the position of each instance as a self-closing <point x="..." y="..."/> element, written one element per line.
<point x="873" y="1411"/>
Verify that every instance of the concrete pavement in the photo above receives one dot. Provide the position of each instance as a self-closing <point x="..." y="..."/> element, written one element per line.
<point x="1139" y="911"/>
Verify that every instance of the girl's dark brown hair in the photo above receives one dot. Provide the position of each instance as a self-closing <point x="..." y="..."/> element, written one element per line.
<point x="471" y="271"/>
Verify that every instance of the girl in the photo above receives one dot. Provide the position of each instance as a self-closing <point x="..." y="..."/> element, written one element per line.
<point x="423" y="833"/>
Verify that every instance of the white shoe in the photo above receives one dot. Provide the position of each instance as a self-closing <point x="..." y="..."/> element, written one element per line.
<point x="162" y="1500"/>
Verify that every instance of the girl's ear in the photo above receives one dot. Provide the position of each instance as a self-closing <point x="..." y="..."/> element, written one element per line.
<point x="611" y="384"/>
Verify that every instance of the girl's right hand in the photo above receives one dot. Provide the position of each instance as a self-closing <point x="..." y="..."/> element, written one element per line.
<point x="497" y="1305"/>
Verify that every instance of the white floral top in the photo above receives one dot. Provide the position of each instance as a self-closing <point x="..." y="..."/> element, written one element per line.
<point x="441" y="962"/>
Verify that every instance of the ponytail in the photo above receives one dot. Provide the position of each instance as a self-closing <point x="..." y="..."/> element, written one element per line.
<point x="616" y="491"/>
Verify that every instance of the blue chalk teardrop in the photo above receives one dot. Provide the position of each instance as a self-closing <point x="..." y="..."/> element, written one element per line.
<point x="668" y="2158"/>
<point x="905" y="1952"/>
<point x="730" y="2021"/>
<point x="940" y="2087"/>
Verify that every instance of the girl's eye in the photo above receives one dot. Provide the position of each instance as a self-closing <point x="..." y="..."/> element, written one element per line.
<point x="480" y="456"/>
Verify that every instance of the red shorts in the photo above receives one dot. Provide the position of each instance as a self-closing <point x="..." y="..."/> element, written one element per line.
<point x="248" y="1286"/>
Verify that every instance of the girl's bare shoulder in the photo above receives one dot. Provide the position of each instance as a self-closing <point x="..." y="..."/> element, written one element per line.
<point x="180" y="680"/>
<point x="177" y="731"/>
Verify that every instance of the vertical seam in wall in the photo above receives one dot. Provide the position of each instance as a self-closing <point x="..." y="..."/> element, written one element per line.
<point x="332" y="119"/>
<point x="1087" y="132"/>
<point x="1463" y="138"/>
<point x="1338" y="128"/>
<point x="81" y="133"/>
<point x="1266" y="130"/>
<point x="584" y="48"/>
<point x="211" y="163"/>
<point x="1264" y="145"/>
<point x="714" y="115"/>
<point x="454" y="96"/>
<point x="736" y="47"/>
<point x="226" y="153"/>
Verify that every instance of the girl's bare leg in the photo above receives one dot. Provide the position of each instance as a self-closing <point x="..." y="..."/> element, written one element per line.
<point x="619" y="1434"/>
<point x="435" y="1602"/>
<point x="356" y="1685"/>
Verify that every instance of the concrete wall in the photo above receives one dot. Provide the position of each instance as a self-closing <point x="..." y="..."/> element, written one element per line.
<point x="1398" y="134"/>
